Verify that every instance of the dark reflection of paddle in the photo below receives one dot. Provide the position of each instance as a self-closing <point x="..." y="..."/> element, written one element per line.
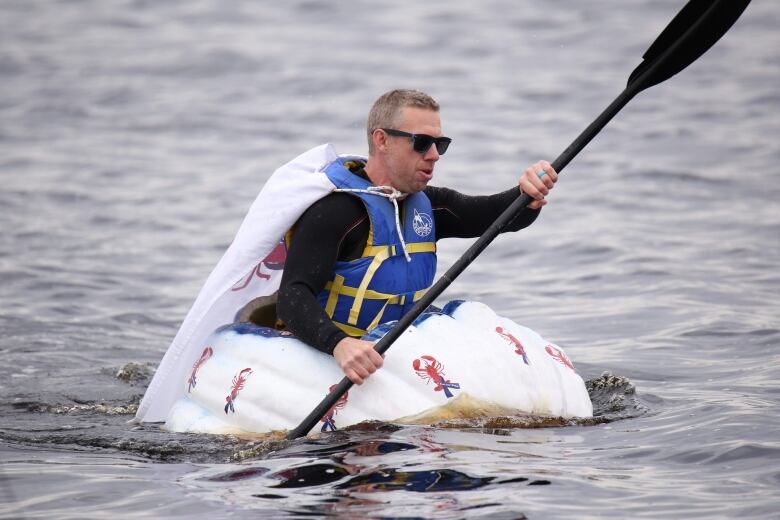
<point x="694" y="30"/>
<point x="421" y="481"/>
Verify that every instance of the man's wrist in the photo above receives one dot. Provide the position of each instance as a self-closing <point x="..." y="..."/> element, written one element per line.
<point x="333" y="340"/>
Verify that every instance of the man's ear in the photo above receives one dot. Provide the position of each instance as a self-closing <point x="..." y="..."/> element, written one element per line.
<point x="379" y="138"/>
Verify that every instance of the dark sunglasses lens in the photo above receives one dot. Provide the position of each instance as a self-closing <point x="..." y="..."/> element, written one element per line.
<point x="442" y="144"/>
<point x="421" y="143"/>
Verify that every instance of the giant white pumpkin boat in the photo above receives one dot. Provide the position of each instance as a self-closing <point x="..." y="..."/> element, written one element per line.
<point x="463" y="360"/>
<point x="225" y="376"/>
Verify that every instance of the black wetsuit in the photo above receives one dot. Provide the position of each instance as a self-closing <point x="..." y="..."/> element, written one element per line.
<point x="336" y="228"/>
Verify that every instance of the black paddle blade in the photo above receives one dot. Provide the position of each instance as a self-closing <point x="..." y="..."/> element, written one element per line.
<point x="695" y="29"/>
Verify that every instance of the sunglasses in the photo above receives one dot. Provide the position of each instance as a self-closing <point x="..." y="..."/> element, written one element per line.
<point x="421" y="143"/>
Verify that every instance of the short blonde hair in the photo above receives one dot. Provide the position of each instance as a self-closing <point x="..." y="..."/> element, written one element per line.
<point x="386" y="111"/>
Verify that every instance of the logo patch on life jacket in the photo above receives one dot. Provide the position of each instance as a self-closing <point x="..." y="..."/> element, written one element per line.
<point x="422" y="223"/>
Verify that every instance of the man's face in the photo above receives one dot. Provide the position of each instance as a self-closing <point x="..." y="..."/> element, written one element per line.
<point x="411" y="171"/>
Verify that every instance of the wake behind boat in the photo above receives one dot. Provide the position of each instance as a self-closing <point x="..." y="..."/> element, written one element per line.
<point x="462" y="361"/>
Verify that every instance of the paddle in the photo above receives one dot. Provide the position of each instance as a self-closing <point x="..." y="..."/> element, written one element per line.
<point x="694" y="30"/>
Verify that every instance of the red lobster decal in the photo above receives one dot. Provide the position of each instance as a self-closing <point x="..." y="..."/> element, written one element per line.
<point x="192" y="381"/>
<point x="432" y="370"/>
<point x="274" y="261"/>
<point x="238" y="383"/>
<point x="519" y="350"/>
<point x="558" y="356"/>
<point x="330" y="424"/>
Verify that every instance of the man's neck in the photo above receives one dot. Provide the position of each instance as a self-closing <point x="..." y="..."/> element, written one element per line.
<point x="375" y="174"/>
<point x="366" y="173"/>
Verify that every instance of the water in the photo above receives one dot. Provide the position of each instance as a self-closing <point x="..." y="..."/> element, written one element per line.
<point x="134" y="135"/>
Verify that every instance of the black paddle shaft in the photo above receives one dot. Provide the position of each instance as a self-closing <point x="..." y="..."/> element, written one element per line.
<point x="694" y="30"/>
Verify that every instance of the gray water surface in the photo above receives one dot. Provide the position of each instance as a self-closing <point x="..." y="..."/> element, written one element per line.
<point x="134" y="135"/>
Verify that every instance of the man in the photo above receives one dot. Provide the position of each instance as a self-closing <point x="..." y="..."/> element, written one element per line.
<point x="350" y="266"/>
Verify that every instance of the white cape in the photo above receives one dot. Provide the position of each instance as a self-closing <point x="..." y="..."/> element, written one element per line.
<point x="241" y="274"/>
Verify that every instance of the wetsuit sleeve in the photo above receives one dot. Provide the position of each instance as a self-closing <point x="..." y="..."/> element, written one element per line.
<point x="467" y="216"/>
<point x="318" y="237"/>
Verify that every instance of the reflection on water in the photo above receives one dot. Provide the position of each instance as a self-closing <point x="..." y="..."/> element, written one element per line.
<point x="419" y="481"/>
<point x="342" y="470"/>
<point x="313" y="475"/>
<point x="241" y="474"/>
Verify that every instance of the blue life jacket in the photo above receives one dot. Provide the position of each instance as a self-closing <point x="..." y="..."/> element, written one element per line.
<point x="381" y="285"/>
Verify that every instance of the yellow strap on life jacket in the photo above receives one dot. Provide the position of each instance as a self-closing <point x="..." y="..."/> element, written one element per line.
<point x="380" y="257"/>
<point x="400" y="298"/>
<point x="344" y="290"/>
<point x="349" y="329"/>
<point x="416" y="247"/>
<point x="336" y="287"/>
